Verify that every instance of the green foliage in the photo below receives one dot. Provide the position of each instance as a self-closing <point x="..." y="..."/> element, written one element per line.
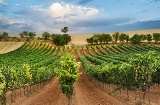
<point x="149" y="38"/>
<point x="156" y="37"/>
<point x="27" y="66"/>
<point x="31" y="34"/>
<point x="2" y="89"/>
<point x="65" y="29"/>
<point x="115" y="37"/>
<point x="99" y="39"/>
<point x="68" y="74"/>
<point x="4" y="35"/>
<point x="61" y="40"/>
<point x="106" y="38"/>
<point x="126" y="70"/>
<point x="136" y="39"/>
<point x="127" y="38"/>
<point x="143" y="37"/>
<point x="122" y="37"/>
<point x="90" y="40"/>
<point x="24" y="34"/>
<point x="2" y="83"/>
<point x="144" y="66"/>
<point x="46" y="35"/>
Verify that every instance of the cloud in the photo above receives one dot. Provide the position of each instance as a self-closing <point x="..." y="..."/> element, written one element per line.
<point x="79" y="19"/>
<point x="101" y="22"/>
<point x="12" y="26"/>
<point x="2" y="3"/>
<point x="72" y="11"/>
<point x="56" y="16"/>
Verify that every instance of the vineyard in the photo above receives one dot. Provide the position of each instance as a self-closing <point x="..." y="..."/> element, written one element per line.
<point x="111" y="74"/>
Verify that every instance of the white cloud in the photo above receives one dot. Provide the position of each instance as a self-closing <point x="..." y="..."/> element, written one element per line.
<point x="1" y="2"/>
<point x="68" y="12"/>
<point x="58" y="15"/>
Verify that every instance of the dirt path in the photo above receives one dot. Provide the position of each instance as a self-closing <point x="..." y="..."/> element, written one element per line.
<point x="85" y="94"/>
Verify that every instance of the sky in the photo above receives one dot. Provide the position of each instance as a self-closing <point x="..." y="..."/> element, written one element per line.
<point x="80" y="16"/>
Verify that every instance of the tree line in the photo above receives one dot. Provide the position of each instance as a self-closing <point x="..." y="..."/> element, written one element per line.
<point x="121" y="37"/>
<point x="56" y="39"/>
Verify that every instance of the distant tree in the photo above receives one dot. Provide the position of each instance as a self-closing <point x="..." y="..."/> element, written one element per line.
<point x="1" y="37"/>
<point x="90" y="40"/>
<point x="127" y="38"/>
<point x="143" y="37"/>
<point x="5" y="35"/>
<point x="135" y="39"/>
<point x="46" y="35"/>
<point x="156" y="37"/>
<point x="122" y="37"/>
<point x="25" y="33"/>
<point x="97" y="38"/>
<point x="61" y="40"/>
<point x="115" y="37"/>
<point x="21" y="34"/>
<point x="100" y="38"/>
<point x="31" y="34"/>
<point x="67" y="38"/>
<point x="106" y="38"/>
<point x="64" y="30"/>
<point x="149" y="38"/>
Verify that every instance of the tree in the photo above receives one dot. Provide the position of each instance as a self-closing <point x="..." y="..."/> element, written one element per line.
<point x="31" y="34"/>
<point x="149" y="38"/>
<point x="64" y="30"/>
<point x="99" y="38"/>
<point x="135" y="39"/>
<point x="127" y="38"/>
<point x="89" y="40"/>
<point x="106" y="38"/>
<point x="61" y="40"/>
<point x="115" y="37"/>
<point x="21" y="34"/>
<point x="122" y="37"/>
<point x="1" y="37"/>
<point x="156" y="37"/>
<point x="68" y="74"/>
<point x="46" y="35"/>
<point x="143" y="37"/>
<point x="25" y="33"/>
<point x="67" y="38"/>
<point x="5" y="35"/>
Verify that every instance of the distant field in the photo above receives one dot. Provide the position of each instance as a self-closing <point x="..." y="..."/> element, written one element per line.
<point x="80" y="39"/>
<point x="9" y="46"/>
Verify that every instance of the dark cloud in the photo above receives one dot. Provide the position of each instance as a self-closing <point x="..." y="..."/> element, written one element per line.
<point x="101" y="22"/>
<point x="152" y="24"/>
<point x="13" y="27"/>
<point x="144" y="25"/>
<point x="113" y="27"/>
